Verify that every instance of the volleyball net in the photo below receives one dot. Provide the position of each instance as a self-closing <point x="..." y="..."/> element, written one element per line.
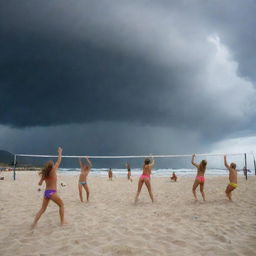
<point x="162" y="162"/>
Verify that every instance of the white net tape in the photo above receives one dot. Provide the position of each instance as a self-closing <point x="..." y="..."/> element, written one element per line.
<point x="126" y="157"/>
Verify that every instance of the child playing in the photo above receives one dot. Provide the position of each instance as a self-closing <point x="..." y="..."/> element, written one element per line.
<point x="145" y="178"/>
<point x="129" y="174"/>
<point x="85" y="169"/>
<point x="110" y="174"/>
<point x="49" y="175"/>
<point x="201" y="168"/>
<point x="232" y="178"/>
<point x="173" y="177"/>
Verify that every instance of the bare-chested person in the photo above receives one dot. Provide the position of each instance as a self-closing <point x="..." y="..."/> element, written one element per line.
<point x="201" y="168"/>
<point x="232" y="178"/>
<point x="85" y="169"/>
<point x="49" y="175"/>
<point x="145" y="178"/>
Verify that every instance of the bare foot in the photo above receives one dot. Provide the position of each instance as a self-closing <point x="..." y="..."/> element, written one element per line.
<point x="33" y="225"/>
<point x="64" y="223"/>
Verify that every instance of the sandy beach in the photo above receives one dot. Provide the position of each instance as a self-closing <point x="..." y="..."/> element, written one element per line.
<point x="110" y="224"/>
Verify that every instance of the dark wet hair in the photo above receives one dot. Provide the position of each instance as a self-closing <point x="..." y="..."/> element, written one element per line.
<point x="202" y="165"/>
<point x="147" y="161"/>
<point x="233" y="165"/>
<point x="45" y="172"/>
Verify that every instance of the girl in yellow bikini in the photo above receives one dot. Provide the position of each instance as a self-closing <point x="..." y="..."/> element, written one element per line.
<point x="232" y="178"/>
<point x="201" y="168"/>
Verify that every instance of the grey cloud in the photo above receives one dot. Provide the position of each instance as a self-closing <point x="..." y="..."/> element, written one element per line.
<point x="103" y="138"/>
<point x="147" y="63"/>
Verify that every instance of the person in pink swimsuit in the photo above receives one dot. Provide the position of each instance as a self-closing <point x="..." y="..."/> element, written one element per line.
<point x="145" y="178"/>
<point x="200" y="177"/>
<point x="49" y="176"/>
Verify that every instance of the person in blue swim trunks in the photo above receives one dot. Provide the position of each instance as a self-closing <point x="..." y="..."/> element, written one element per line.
<point x="49" y="176"/>
<point x="82" y="183"/>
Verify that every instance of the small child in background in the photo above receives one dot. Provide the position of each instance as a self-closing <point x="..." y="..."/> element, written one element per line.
<point x="173" y="177"/>
<point x="85" y="169"/>
<point x="129" y="173"/>
<point x="232" y="178"/>
<point x="110" y="174"/>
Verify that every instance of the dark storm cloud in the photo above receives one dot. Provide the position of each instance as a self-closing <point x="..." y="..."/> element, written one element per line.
<point x="103" y="138"/>
<point x="145" y="62"/>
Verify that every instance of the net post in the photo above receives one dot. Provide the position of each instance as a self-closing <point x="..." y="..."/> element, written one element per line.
<point x="14" y="167"/>
<point x="245" y="166"/>
<point x="254" y="163"/>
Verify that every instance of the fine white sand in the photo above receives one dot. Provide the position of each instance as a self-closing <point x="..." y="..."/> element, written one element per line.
<point x="110" y="224"/>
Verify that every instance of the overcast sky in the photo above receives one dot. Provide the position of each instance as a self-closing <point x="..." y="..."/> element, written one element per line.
<point x="127" y="77"/>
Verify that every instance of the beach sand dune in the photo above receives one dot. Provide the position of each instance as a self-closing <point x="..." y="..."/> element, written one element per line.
<point x="110" y="224"/>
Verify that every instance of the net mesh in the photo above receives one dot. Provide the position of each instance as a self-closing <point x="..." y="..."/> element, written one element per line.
<point x="214" y="161"/>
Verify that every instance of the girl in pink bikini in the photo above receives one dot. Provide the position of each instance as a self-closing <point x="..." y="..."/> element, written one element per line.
<point x="201" y="168"/>
<point x="145" y="178"/>
<point x="49" y="175"/>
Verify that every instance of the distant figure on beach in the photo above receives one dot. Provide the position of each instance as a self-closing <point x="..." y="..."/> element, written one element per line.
<point x="232" y="178"/>
<point x="110" y="174"/>
<point x="82" y="183"/>
<point x="145" y="178"/>
<point x="1" y="178"/>
<point x="201" y="168"/>
<point x="245" y="170"/>
<point x="49" y="175"/>
<point x="174" y="177"/>
<point x="129" y="173"/>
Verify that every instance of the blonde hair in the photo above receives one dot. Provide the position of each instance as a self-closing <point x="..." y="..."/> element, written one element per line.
<point x="45" y="172"/>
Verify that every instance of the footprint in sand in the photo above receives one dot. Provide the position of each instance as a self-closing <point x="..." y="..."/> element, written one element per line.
<point x="179" y="242"/>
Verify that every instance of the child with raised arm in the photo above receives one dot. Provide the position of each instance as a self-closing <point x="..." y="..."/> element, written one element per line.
<point x="85" y="169"/>
<point x="232" y="178"/>
<point x="201" y="168"/>
<point x="49" y="176"/>
<point x="145" y="178"/>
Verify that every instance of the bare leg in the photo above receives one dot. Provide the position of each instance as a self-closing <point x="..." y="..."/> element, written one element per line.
<point x="228" y="191"/>
<point x="148" y="184"/>
<point x="41" y="211"/>
<point x="56" y="199"/>
<point x="196" y="183"/>
<point x="140" y="183"/>
<point x="87" y="191"/>
<point x="80" y="192"/>
<point x="202" y="190"/>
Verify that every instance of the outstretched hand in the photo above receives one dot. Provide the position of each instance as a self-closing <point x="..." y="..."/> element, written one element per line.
<point x="60" y="150"/>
